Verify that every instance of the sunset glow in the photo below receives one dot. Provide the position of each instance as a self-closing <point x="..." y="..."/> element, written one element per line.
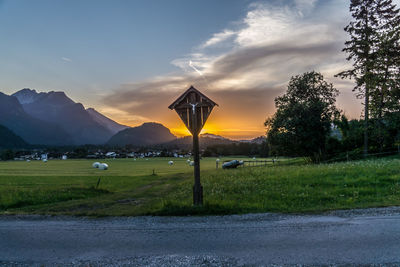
<point x="239" y="53"/>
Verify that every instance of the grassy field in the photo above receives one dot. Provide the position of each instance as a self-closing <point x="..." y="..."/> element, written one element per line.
<point x="130" y="188"/>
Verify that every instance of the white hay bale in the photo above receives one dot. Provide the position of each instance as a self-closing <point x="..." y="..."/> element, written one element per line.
<point x="44" y="160"/>
<point x="191" y="163"/>
<point x="103" y="166"/>
<point x="96" y="164"/>
<point x="170" y="162"/>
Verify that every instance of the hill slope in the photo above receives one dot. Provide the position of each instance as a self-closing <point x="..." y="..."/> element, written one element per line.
<point x="150" y="133"/>
<point x="111" y="125"/>
<point x="32" y="130"/>
<point x="205" y="140"/>
<point x="8" y="139"/>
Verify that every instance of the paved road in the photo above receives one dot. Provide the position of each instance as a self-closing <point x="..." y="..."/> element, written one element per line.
<point x="345" y="237"/>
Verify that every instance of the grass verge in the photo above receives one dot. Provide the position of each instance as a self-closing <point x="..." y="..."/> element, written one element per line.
<point x="288" y="189"/>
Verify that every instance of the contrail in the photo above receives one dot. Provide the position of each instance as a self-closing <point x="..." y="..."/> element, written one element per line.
<point x="193" y="67"/>
<point x="199" y="72"/>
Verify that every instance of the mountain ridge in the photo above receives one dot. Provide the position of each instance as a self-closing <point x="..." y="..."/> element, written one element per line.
<point x="56" y="107"/>
<point x="149" y="133"/>
<point x="111" y="125"/>
<point x="52" y="118"/>
<point x="33" y="130"/>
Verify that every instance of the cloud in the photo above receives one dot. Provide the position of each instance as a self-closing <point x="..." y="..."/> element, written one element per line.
<point x="66" y="59"/>
<point x="272" y="43"/>
<point x="218" y="38"/>
<point x="305" y="6"/>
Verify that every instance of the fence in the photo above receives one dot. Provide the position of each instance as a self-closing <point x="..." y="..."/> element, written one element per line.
<point x="267" y="162"/>
<point x="340" y="157"/>
<point x="256" y="163"/>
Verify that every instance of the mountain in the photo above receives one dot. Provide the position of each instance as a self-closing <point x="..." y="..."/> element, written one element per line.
<point x="8" y="139"/>
<point x="214" y="136"/>
<point x="26" y="96"/>
<point x="111" y="125"/>
<point x="205" y="140"/>
<point x="257" y="140"/>
<point x="33" y="130"/>
<point x="73" y="118"/>
<point x="149" y="133"/>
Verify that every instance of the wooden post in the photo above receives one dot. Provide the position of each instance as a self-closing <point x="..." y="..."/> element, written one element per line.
<point x="197" y="188"/>
<point x="98" y="182"/>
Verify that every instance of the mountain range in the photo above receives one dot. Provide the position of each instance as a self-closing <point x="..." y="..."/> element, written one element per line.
<point x="52" y="118"/>
<point x="32" y="130"/>
<point x="81" y="125"/>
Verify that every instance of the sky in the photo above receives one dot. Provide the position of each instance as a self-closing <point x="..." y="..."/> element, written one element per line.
<point x="131" y="59"/>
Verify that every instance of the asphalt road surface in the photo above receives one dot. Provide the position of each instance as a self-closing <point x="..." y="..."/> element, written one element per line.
<point x="344" y="237"/>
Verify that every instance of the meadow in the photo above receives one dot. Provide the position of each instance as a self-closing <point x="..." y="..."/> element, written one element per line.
<point x="129" y="187"/>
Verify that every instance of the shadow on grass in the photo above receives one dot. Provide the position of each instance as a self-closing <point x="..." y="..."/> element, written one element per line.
<point x="20" y="199"/>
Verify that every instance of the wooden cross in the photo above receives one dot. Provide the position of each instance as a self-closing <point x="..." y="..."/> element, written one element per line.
<point x="194" y="108"/>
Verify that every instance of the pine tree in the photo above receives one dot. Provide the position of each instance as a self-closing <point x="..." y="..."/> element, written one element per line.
<point x="360" y="49"/>
<point x="387" y="63"/>
<point x="374" y="34"/>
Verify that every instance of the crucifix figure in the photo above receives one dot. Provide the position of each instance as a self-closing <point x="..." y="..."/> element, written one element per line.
<point x="194" y="107"/>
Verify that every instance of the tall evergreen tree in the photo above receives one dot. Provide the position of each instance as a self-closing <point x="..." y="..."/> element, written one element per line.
<point x="373" y="44"/>
<point x="386" y="65"/>
<point x="384" y="97"/>
<point x="361" y="50"/>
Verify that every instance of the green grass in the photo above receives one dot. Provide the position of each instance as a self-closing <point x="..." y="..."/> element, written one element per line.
<point x="129" y="188"/>
<point x="306" y="188"/>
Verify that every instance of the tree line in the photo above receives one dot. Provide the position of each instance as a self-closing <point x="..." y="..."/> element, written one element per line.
<point x="307" y="122"/>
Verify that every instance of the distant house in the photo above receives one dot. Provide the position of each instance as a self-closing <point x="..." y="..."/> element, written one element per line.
<point x="64" y="157"/>
<point x="111" y="154"/>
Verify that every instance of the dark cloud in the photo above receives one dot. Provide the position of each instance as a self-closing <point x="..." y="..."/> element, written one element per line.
<point x="244" y="82"/>
<point x="245" y="58"/>
<point x="142" y="98"/>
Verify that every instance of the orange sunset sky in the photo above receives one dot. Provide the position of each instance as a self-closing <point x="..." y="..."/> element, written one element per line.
<point x="131" y="59"/>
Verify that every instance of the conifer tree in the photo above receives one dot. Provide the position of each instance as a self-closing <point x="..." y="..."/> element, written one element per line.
<point x="360" y="49"/>
<point x="387" y="63"/>
<point x="371" y="48"/>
